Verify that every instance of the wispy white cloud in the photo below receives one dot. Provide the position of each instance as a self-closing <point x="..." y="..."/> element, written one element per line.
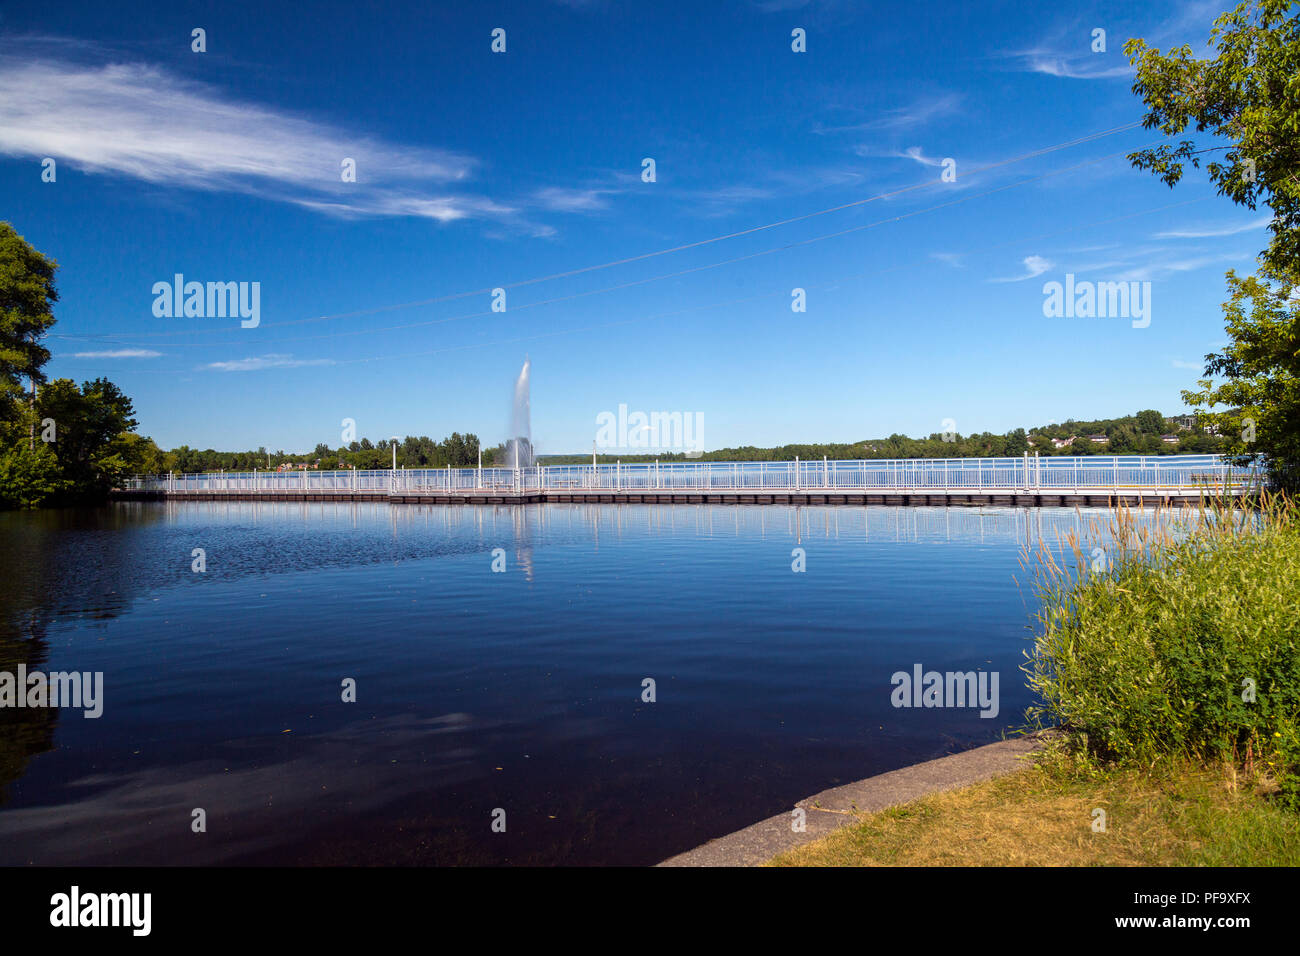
<point x="1162" y="268"/>
<point x="908" y="117"/>
<point x="1207" y="232"/>
<point x="808" y="178"/>
<point x="560" y="199"/>
<point x="1034" y="266"/>
<point x="257" y="363"/>
<point x="1195" y="366"/>
<point x="773" y="182"/>
<point x="915" y="152"/>
<point x="1088" y="267"/>
<point x="1097" y="248"/>
<point x="1190" y="24"/>
<point x="1066" y="51"/>
<point x="953" y="259"/>
<point x="143" y="122"/>
<point x="726" y="198"/>
<point x="1082" y="66"/>
<point x="395" y="203"/>
<point x="119" y="353"/>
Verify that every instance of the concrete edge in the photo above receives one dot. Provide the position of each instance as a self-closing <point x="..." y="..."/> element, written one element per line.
<point x="838" y="807"/>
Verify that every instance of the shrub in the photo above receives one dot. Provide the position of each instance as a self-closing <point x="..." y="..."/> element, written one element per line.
<point x="1188" y="645"/>
<point x="28" y="476"/>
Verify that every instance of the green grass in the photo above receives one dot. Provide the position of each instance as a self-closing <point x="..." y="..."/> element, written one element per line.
<point x="1181" y="815"/>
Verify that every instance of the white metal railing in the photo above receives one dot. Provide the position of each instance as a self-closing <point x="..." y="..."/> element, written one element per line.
<point x="1172" y="473"/>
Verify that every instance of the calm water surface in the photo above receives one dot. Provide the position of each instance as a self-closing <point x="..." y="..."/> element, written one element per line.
<point x="477" y="690"/>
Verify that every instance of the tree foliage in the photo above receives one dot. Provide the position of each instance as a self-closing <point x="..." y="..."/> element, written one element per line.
<point x="1259" y="379"/>
<point x="457" y="450"/>
<point x="1139" y="434"/>
<point x="29" y="475"/>
<point x="1249" y="96"/>
<point x="27" y="297"/>
<point x="70" y="444"/>
<point x="89" y="433"/>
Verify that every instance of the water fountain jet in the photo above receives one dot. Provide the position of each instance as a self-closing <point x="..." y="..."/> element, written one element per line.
<point x="519" y="449"/>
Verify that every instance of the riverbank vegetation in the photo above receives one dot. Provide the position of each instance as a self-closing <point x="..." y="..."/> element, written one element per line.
<point x="1179" y="640"/>
<point x="1168" y="663"/>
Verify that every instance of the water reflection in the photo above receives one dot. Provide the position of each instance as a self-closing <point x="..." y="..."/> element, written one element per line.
<point x="479" y="690"/>
<point x="57" y="564"/>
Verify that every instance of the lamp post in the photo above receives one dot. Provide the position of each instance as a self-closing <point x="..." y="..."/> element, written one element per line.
<point x="392" y="478"/>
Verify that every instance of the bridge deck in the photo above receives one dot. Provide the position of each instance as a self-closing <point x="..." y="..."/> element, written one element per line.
<point x="1134" y="495"/>
<point x="1024" y="480"/>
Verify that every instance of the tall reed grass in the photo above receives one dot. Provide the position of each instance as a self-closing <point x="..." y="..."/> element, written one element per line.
<point x="1182" y="640"/>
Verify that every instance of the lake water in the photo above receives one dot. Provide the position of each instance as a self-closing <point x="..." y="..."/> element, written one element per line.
<point x="477" y="690"/>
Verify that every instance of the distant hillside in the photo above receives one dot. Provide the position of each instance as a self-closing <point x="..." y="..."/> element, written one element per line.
<point x="1139" y="434"/>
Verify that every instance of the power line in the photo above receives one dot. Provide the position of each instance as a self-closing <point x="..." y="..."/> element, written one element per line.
<point x="662" y="252"/>
<point x="737" y="301"/>
<point x="763" y="295"/>
<point x="627" y="285"/>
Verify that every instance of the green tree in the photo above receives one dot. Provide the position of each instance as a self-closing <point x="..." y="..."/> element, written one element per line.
<point x="1150" y="422"/>
<point x="1248" y="95"/>
<point x="143" y="455"/>
<point x="29" y="475"/>
<point x="454" y="450"/>
<point x="1260" y="385"/>
<point x="27" y="297"/>
<point x="91" y="439"/>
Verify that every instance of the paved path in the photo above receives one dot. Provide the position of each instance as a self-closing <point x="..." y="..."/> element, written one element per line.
<point x="831" y="809"/>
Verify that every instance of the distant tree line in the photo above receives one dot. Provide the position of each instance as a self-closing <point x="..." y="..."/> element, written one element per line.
<point x="456" y="450"/>
<point x="1138" y="434"/>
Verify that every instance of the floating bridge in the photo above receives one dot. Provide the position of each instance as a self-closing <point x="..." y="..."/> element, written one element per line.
<point x="1088" y="480"/>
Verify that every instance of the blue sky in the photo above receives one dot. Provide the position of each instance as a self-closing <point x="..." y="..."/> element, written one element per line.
<point x="478" y="170"/>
